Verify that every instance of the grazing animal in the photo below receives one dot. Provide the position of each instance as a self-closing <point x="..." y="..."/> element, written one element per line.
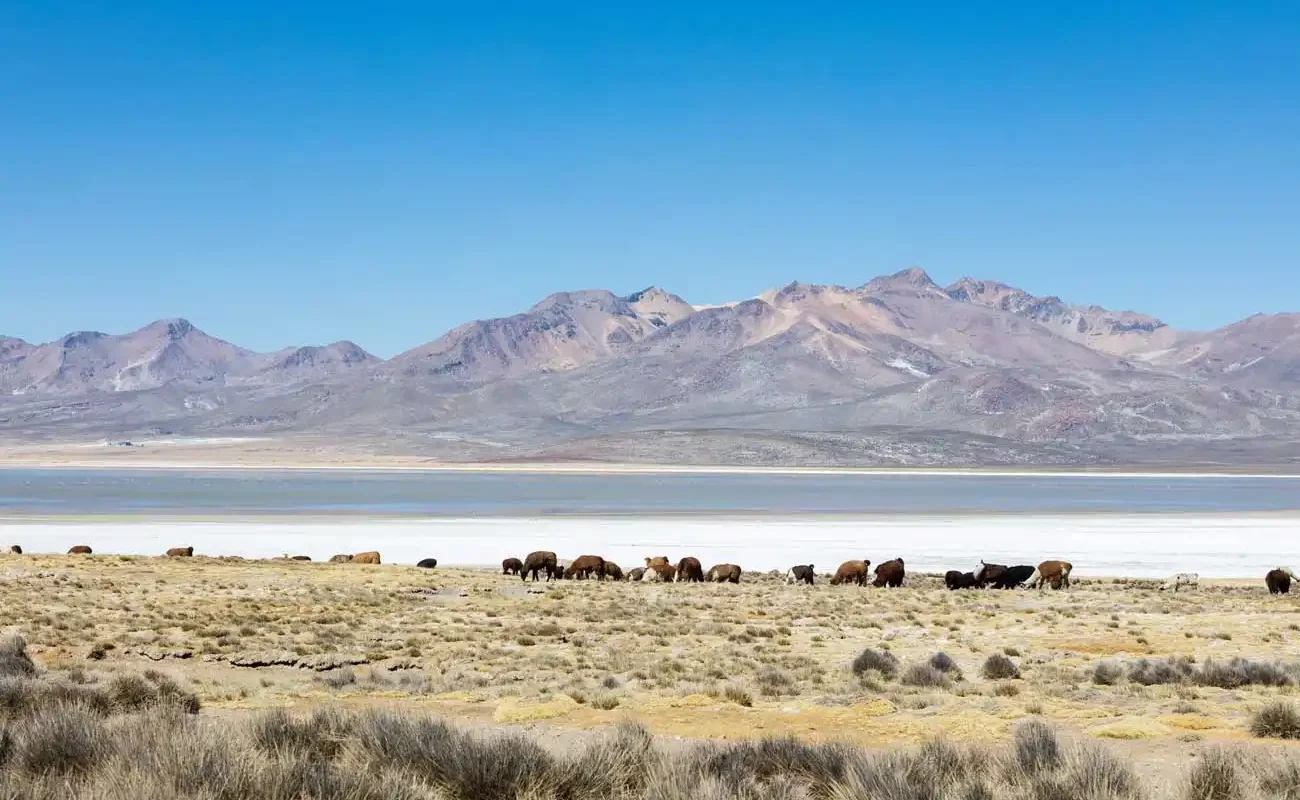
<point x="724" y="573"/>
<point x="427" y="563"/>
<point x="612" y="571"/>
<point x="1279" y="580"/>
<point x="585" y="567"/>
<point x="1013" y="577"/>
<point x="803" y="573"/>
<point x="79" y="550"/>
<point x="512" y="566"/>
<point x="181" y="551"/>
<point x="889" y="574"/>
<point x="538" y="562"/>
<point x="15" y="550"/>
<point x="1056" y="573"/>
<point x="369" y="557"/>
<point x="689" y="570"/>
<point x="1000" y="576"/>
<point x="659" y="573"/>
<point x="341" y="558"/>
<point x="635" y="574"/>
<point x="852" y="572"/>
<point x="656" y="561"/>
<point x="1188" y="579"/>
<point x="955" y="579"/>
<point x="988" y="574"/>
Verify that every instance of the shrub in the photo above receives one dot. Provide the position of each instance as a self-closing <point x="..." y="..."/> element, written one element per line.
<point x="1276" y="721"/>
<point x="942" y="662"/>
<point x="14" y="661"/>
<point x="925" y="675"/>
<point x="738" y="695"/>
<point x="1158" y="673"/>
<point x="773" y="682"/>
<point x="999" y="667"/>
<point x="1036" y="748"/>
<point x="875" y="661"/>
<point x="1214" y="776"/>
<point x="604" y="702"/>
<point x="1107" y="673"/>
<point x="763" y="760"/>
<point x="318" y="738"/>
<point x="339" y="678"/>
<point x="1279" y="778"/>
<point x="60" y="741"/>
<point x="1240" y="672"/>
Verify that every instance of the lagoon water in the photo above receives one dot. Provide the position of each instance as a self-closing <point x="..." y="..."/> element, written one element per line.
<point x="519" y="494"/>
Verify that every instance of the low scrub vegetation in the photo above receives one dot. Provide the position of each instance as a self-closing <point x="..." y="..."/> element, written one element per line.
<point x="1232" y="673"/>
<point x="878" y="661"/>
<point x="999" y="667"/>
<point x="137" y="742"/>
<point x="1278" y="720"/>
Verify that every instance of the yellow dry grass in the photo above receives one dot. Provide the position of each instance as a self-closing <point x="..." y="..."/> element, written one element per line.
<point x="756" y="659"/>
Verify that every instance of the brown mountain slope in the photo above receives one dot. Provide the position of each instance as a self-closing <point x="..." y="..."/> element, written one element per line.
<point x="564" y="331"/>
<point x="973" y="363"/>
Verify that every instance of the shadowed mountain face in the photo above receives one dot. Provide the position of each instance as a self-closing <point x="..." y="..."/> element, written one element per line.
<point x="898" y="370"/>
<point x="165" y="353"/>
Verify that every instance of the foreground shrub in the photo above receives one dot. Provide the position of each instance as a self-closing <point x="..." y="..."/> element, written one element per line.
<point x="1036" y="747"/>
<point x="14" y="661"/>
<point x="120" y="741"/>
<point x="24" y="692"/>
<point x="1278" y="778"/>
<point x="1278" y="720"/>
<point x="1214" y="776"/>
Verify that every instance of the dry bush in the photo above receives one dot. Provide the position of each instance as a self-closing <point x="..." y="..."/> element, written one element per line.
<point x="944" y="663"/>
<point x="1148" y="672"/>
<point x="1107" y="673"/>
<point x="999" y="667"/>
<point x="875" y="661"/>
<point x="14" y="661"/>
<point x="1239" y="672"/>
<point x="161" y="753"/>
<point x="1278" y="778"/>
<point x="1278" y="720"/>
<point x="926" y="676"/>
<point x="1214" y="776"/>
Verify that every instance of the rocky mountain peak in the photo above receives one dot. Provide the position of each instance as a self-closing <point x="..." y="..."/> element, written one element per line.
<point x="913" y="278"/>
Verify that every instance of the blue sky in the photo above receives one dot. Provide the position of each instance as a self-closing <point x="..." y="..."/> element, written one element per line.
<point x="291" y="173"/>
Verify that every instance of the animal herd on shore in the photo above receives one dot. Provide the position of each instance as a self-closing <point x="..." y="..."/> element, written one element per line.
<point x="1053" y="573"/>
<point x="855" y="572"/>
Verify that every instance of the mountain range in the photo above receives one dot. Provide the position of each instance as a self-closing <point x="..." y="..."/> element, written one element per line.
<point x="897" y="371"/>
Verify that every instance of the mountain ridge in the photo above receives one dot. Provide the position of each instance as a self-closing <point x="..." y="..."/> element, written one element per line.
<point x="978" y="360"/>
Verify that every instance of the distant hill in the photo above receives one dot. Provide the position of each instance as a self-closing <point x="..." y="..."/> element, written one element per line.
<point x="898" y="370"/>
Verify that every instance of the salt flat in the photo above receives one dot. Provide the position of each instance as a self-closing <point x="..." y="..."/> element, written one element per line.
<point x="1129" y="545"/>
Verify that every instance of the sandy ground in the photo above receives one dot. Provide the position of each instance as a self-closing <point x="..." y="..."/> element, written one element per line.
<point x="1129" y="545"/>
<point x="227" y="453"/>
<point x="760" y="658"/>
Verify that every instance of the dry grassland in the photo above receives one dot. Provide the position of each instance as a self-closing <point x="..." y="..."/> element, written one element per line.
<point x="757" y="659"/>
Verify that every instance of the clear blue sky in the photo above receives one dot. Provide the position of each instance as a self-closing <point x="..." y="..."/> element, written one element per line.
<point x="290" y="173"/>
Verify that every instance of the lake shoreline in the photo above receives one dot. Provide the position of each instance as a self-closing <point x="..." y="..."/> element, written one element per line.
<point x="397" y="466"/>
<point x="1230" y="546"/>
